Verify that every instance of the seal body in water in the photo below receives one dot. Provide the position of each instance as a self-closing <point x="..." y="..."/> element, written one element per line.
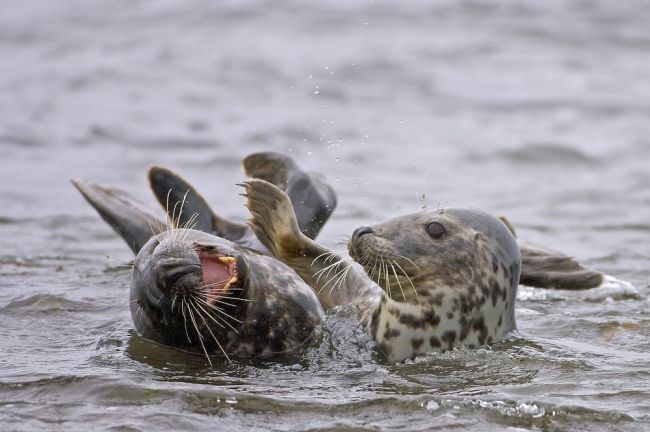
<point x="204" y="293"/>
<point x="443" y="278"/>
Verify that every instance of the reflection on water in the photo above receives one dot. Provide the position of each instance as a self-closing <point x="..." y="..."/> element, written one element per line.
<point x="537" y="111"/>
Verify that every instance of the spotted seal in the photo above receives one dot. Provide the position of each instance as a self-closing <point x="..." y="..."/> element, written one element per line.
<point x="202" y="293"/>
<point x="443" y="278"/>
<point x="206" y="294"/>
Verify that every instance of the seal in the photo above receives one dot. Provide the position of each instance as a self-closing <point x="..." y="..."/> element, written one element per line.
<point x="428" y="281"/>
<point x="203" y="293"/>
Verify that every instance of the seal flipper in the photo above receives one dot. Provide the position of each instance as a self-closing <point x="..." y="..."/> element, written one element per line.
<point x="274" y="222"/>
<point x="122" y="212"/>
<point x="546" y="268"/>
<point x="185" y="206"/>
<point x="543" y="268"/>
<point x="312" y="198"/>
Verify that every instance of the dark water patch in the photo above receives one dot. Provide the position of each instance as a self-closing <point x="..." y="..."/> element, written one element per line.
<point x="619" y="227"/>
<point x="21" y="138"/>
<point x="101" y="135"/>
<point x="46" y="303"/>
<point x="177" y="144"/>
<point x="540" y="153"/>
<point x="9" y="221"/>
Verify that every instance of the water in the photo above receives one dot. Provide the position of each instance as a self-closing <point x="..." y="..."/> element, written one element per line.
<point x="535" y="110"/>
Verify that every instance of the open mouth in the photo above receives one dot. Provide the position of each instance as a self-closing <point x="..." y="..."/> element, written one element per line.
<point x="219" y="274"/>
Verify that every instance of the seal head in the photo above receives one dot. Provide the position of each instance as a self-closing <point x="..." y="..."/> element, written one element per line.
<point x="204" y="294"/>
<point x="414" y="256"/>
<point x="450" y="276"/>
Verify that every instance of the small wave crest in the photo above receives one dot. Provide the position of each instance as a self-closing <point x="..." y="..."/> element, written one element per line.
<point x="45" y="303"/>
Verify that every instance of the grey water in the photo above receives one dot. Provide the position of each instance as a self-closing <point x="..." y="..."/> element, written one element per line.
<point x="539" y="111"/>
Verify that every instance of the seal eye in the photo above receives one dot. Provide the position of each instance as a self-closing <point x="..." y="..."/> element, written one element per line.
<point x="436" y="230"/>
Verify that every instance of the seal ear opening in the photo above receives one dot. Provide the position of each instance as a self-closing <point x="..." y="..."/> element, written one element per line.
<point x="122" y="212"/>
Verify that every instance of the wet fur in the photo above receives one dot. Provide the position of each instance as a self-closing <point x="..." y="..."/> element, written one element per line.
<point x="465" y="288"/>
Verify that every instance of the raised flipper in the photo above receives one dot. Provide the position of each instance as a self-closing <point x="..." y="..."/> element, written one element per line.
<point x="122" y="212"/>
<point x="185" y="207"/>
<point x="546" y="268"/>
<point x="313" y="200"/>
<point x="333" y="278"/>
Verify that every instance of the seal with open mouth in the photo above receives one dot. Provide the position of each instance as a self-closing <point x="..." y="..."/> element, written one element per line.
<point x="204" y="293"/>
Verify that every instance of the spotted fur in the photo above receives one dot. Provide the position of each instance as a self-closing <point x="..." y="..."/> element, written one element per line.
<point x="426" y="294"/>
<point x="271" y="310"/>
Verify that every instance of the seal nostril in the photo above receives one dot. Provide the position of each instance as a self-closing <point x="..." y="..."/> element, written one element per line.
<point x="361" y="231"/>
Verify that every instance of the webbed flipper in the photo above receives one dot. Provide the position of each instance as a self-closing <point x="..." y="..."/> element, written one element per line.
<point x="122" y="212"/>
<point x="185" y="207"/>
<point x="332" y="277"/>
<point x="545" y="268"/>
<point x="313" y="199"/>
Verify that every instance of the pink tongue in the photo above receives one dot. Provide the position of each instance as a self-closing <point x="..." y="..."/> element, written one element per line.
<point x="215" y="274"/>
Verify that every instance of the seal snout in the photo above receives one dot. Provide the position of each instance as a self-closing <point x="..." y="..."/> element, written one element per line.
<point x="361" y="231"/>
<point x="355" y="246"/>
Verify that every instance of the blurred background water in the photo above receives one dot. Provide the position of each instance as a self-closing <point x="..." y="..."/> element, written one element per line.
<point x="536" y="110"/>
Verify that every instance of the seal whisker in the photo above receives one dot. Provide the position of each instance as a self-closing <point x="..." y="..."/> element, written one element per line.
<point x="232" y="298"/>
<point x="327" y="270"/>
<point x="397" y="279"/>
<point x="409" y="279"/>
<point x="198" y="303"/>
<point x="386" y="277"/>
<point x="333" y="278"/>
<point x="191" y="222"/>
<point x="140" y="311"/>
<point x="183" y="305"/>
<point x="341" y="279"/>
<point x="198" y="333"/>
<point x="217" y="283"/>
<point x="330" y="255"/>
<point x="219" y="310"/>
<point x="213" y="337"/>
<point x="409" y="260"/>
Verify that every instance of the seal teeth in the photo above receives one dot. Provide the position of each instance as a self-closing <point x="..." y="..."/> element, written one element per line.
<point x="230" y="282"/>
<point x="227" y="259"/>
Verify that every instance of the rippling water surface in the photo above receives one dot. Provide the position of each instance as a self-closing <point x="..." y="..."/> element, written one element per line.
<point x="536" y="110"/>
